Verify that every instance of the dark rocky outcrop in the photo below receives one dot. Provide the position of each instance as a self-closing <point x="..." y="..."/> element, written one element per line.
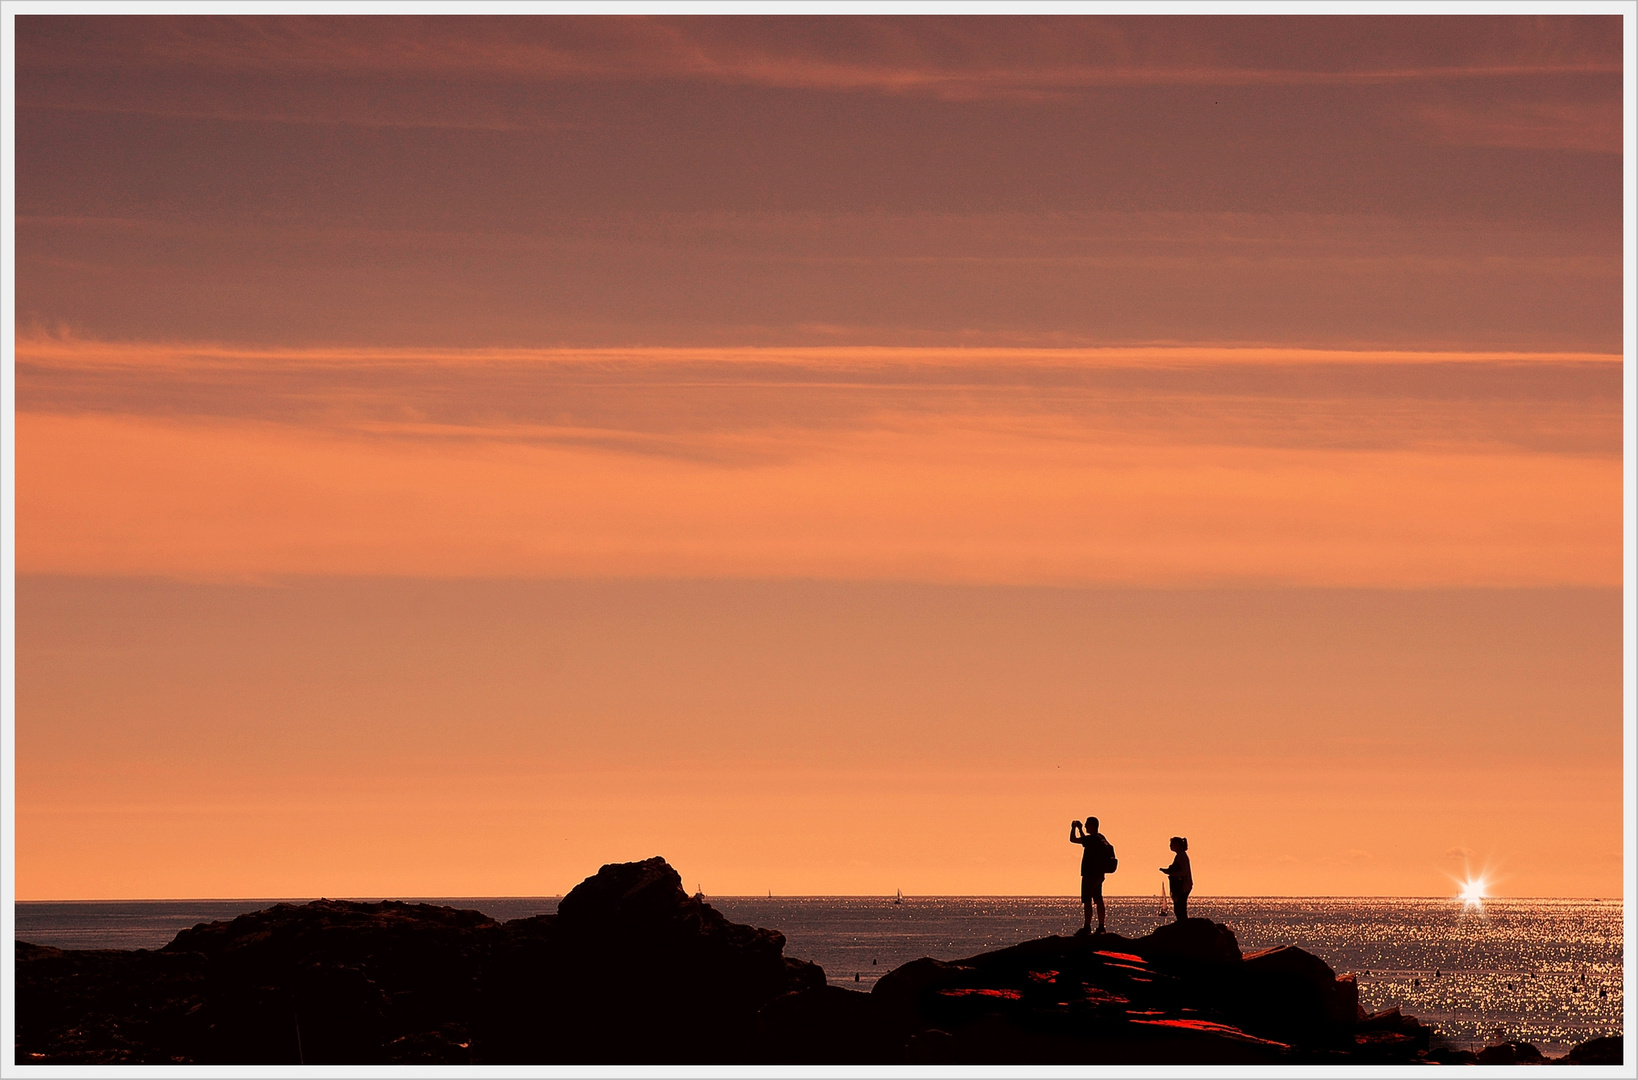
<point x="633" y="970"/>
<point x="1510" y="1053"/>
<point x="1605" y="1050"/>
<point x="336" y="982"/>
<point x="104" y="1006"/>
<point x="1295" y="991"/>
<point x="1183" y="994"/>
<point x="1602" y="1051"/>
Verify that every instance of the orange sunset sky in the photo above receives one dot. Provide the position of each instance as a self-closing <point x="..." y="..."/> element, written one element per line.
<point x="831" y="453"/>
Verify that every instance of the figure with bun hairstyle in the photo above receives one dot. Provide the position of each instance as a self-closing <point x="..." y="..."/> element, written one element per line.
<point x="1181" y="878"/>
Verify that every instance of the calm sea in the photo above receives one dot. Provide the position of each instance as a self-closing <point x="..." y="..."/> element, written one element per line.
<point x="1540" y="971"/>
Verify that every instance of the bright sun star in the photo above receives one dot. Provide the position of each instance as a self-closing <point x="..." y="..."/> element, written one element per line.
<point x="1472" y="894"/>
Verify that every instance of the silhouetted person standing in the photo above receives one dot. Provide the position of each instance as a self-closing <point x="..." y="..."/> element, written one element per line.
<point x="1182" y="879"/>
<point x="1097" y="859"/>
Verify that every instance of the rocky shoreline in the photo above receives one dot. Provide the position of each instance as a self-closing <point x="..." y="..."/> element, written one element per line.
<point x="633" y="970"/>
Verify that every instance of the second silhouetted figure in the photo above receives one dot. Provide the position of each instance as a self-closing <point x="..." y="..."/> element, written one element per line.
<point x="1181" y="878"/>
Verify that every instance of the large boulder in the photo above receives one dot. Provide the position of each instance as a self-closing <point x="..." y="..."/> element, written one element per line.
<point x="638" y="897"/>
<point x="1198" y="941"/>
<point x="1291" y="993"/>
<point x="903" y="991"/>
<point x="1337" y="996"/>
<point x="633" y="970"/>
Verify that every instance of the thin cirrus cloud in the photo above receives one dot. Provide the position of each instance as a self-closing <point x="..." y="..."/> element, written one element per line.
<point x="474" y="72"/>
<point x="719" y="279"/>
<point x="1593" y="126"/>
<point x="968" y="55"/>
<point x="1564" y="403"/>
<point x="1010" y="466"/>
<point x="543" y="181"/>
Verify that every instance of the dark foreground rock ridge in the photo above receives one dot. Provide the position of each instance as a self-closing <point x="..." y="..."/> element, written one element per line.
<point x="632" y="970"/>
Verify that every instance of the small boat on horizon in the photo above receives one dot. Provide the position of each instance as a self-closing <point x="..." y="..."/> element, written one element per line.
<point x="899" y="898"/>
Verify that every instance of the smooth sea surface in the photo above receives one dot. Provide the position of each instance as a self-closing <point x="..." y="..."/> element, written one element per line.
<point x="1541" y="971"/>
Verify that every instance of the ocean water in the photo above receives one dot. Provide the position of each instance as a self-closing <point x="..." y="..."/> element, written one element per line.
<point x="1541" y="971"/>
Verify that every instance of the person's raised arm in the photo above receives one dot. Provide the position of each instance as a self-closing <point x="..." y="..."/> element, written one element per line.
<point x="1074" y="832"/>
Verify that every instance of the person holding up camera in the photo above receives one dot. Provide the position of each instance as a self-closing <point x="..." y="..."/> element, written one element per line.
<point x="1097" y="859"/>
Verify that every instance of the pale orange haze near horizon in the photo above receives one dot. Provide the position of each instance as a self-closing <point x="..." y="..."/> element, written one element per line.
<point x="832" y="454"/>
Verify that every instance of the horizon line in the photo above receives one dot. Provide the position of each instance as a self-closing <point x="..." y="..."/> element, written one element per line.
<point x="813" y="896"/>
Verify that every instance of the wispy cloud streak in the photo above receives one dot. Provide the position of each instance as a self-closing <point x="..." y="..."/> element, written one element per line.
<point x="1136" y="466"/>
<point x="769" y="402"/>
<point x="957" y="56"/>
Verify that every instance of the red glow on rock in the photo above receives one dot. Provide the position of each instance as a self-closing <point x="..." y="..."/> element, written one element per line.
<point x="981" y="991"/>
<point x="1120" y="956"/>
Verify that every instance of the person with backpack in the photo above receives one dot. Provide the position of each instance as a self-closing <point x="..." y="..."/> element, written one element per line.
<point x="1097" y="859"/>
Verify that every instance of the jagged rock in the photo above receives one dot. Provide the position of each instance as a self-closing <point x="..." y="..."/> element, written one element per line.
<point x="1292" y="994"/>
<point x="902" y="990"/>
<point x="1389" y="1019"/>
<point x="1510" y="1053"/>
<point x="1337" y="996"/>
<point x="1602" y="1051"/>
<point x="1390" y="1036"/>
<point x="1196" y="940"/>
<point x="642" y="897"/>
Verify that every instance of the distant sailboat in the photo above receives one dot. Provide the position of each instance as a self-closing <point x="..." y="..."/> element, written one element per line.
<point x="899" y="899"/>
<point x="699" y="893"/>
